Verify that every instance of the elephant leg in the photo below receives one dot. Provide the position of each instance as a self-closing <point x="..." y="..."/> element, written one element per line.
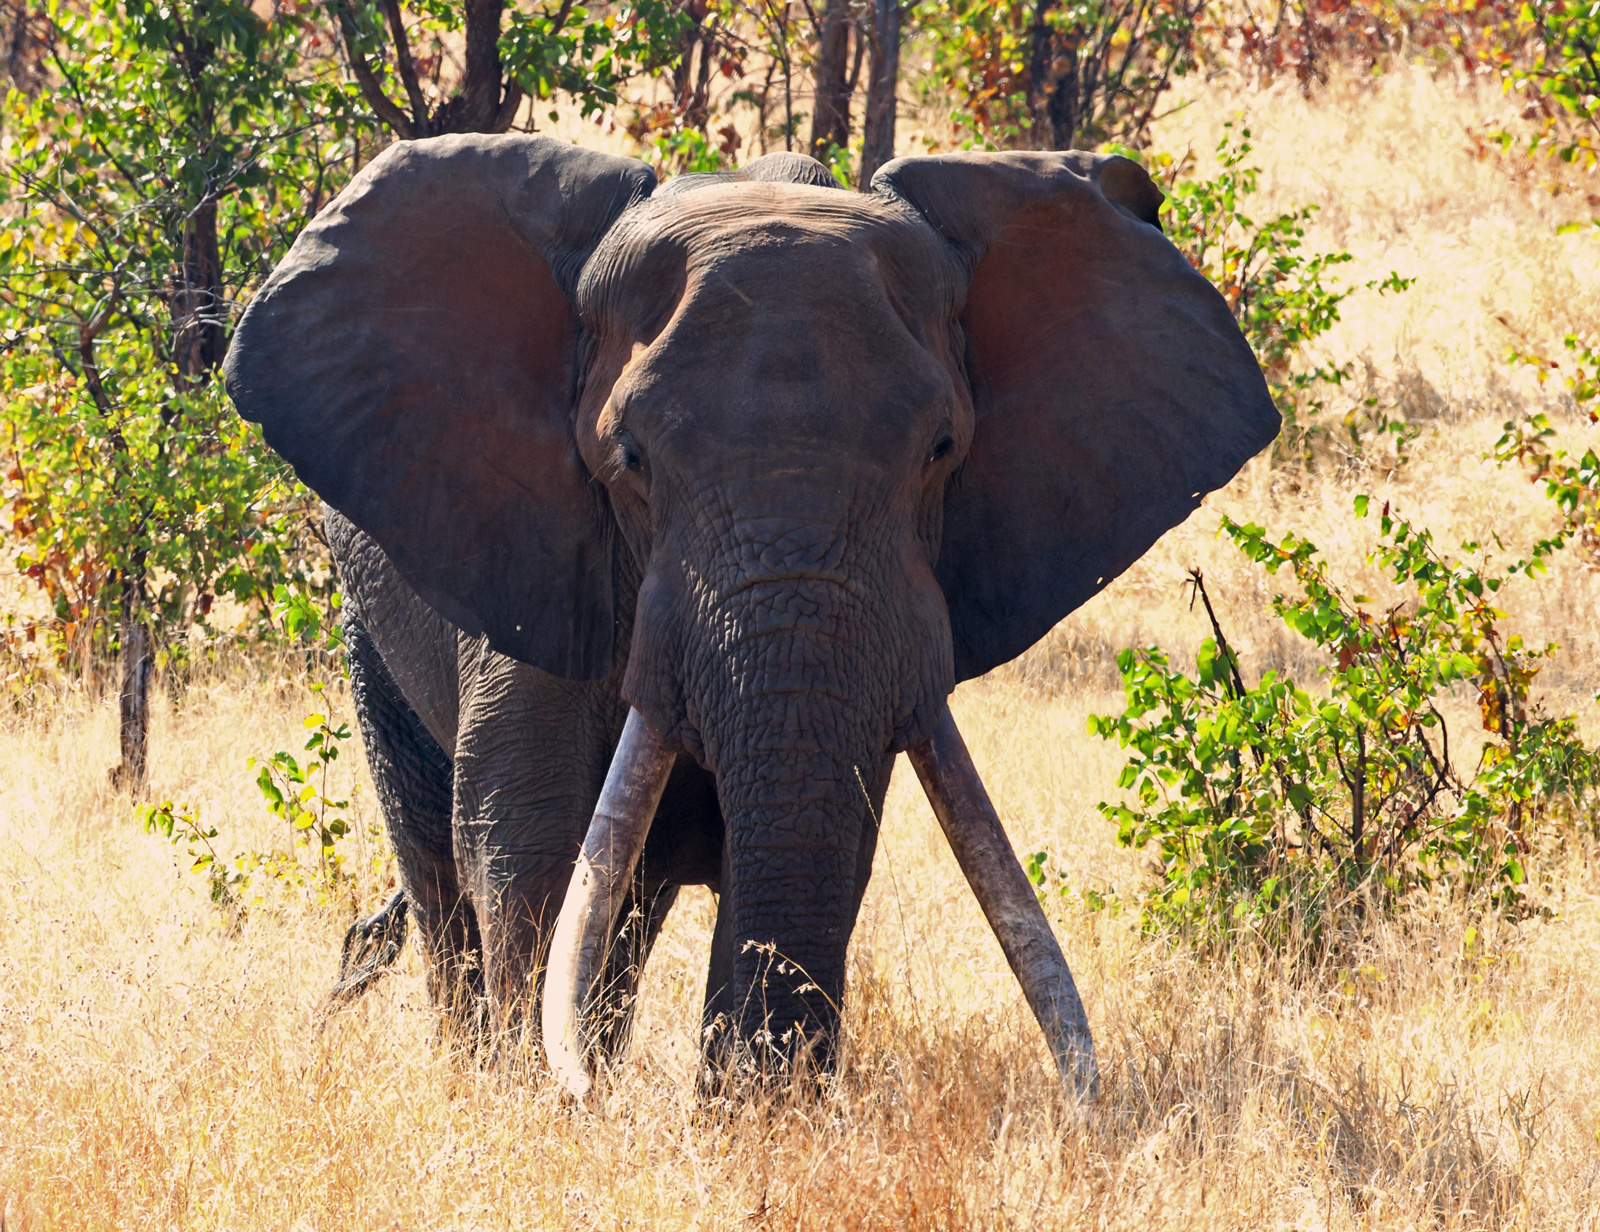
<point x="531" y="753"/>
<point x="413" y="778"/>
<point x="516" y="891"/>
<point x="521" y="900"/>
<point x="720" y="1012"/>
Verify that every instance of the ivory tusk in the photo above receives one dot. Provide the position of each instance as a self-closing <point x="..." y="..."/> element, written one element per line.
<point x="1009" y="904"/>
<point x="595" y="895"/>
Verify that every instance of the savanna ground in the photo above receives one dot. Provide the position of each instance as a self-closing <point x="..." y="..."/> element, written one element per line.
<point x="159" y="1069"/>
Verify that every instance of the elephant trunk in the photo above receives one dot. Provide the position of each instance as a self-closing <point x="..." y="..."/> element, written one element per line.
<point x="595" y="895"/>
<point x="801" y="831"/>
<point x="984" y="852"/>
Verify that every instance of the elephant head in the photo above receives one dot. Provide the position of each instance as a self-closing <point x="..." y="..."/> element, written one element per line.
<point x="831" y="452"/>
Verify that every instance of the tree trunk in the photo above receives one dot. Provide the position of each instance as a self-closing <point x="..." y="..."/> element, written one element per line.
<point x="197" y="306"/>
<point x="1052" y="82"/>
<point x="691" y="77"/>
<point x="877" y="146"/>
<point x="487" y="103"/>
<point x="830" y="119"/>
<point x="133" y="697"/>
<point x="198" y="312"/>
<point x="25" y="65"/>
<point x="1038" y="67"/>
<point x="1061" y="104"/>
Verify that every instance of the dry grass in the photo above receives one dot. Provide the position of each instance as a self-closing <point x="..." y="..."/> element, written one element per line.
<point x="157" y="1070"/>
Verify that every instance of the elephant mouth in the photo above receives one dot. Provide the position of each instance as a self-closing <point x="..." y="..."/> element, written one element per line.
<point x="616" y="838"/>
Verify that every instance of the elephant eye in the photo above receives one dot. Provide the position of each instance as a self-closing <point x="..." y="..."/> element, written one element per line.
<point x="628" y="452"/>
<point x="941" y="448"/>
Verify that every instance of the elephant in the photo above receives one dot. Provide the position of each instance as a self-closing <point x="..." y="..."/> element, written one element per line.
<point x="668" y="515"/>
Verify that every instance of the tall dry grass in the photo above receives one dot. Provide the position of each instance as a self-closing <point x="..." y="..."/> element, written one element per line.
<point x="161" y="1069"/>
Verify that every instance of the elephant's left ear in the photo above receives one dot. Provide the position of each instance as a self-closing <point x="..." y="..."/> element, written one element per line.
<point x="416" y="358"/>
<point x="1112" y="387"/>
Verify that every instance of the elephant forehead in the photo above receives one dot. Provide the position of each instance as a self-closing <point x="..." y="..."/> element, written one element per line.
<point x="789" y="247"/>
<point x="805" y="328"/>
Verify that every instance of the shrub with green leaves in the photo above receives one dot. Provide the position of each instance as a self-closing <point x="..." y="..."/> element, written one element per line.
<point x="297" y="794"/>
<point x="180" y="825"/>
<point x="1282" y="296"/>
<point x="183" y="150"/>
<point x="1553" y="58"/>
<point x="176" y="153"/>
<point x="312" y="858"/>
<point x="1572" y="483"/>
<point x="684" y="151"/>
<point x="1026" y="73"/>
<point x="1581" y="376"/>
<point x="1271" y="805"/>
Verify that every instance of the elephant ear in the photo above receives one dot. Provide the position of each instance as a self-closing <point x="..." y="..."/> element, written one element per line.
<point x="1111" y="385"/>
<point x="415" y="358"/>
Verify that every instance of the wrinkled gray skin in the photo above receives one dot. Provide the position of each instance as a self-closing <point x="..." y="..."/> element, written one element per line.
<point x="497" y="820"/>
<point x="774" y="463"/>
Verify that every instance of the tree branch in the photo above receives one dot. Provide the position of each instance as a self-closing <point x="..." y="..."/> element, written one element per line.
<point x="560" y="21"/>
<point x="508" y="107"/>
<point x="408" y="70"/>
<point x="383" y="107"/>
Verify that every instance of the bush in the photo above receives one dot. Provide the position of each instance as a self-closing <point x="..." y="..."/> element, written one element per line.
<point x="1573" y="484"/>
<point x="315" y="827"/>
<point x="1272" y="805"/>
<point x="179" y="152"/>
<point x="1553" y="60"/>
<point x="1545" y="52"/>
<point x="1043" y="75"/>
<point x="1282" y="296"/>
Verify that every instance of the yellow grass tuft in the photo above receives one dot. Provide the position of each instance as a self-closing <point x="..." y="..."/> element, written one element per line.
<point x="160" y="1070"/>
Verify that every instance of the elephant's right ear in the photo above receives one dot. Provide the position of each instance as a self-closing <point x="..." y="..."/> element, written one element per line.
<point x="414" y="357"/>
